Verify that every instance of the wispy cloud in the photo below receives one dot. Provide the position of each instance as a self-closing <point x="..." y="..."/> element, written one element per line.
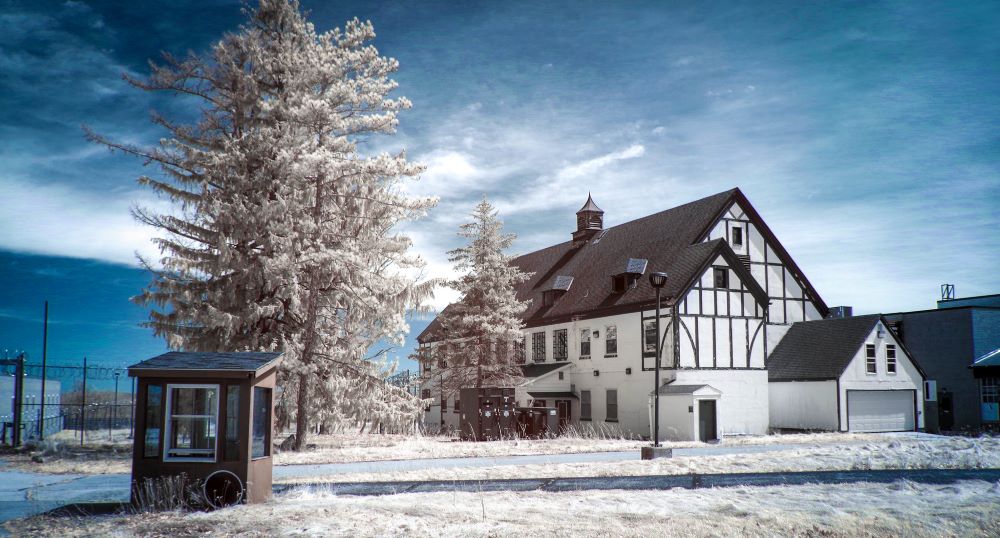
<point x="62" y="220"/>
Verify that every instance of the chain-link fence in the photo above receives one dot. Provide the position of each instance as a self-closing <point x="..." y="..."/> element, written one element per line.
<point x="81" y="403"/>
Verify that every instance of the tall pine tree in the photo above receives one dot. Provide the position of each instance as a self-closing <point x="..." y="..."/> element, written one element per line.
<point x="284" y="234"/>
<point x="482" y="331"/>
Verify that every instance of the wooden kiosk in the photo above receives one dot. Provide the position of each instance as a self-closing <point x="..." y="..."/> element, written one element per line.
<point x="208" y="416"/>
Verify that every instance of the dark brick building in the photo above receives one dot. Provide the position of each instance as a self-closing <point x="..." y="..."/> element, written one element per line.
<point x="946" y="341"/>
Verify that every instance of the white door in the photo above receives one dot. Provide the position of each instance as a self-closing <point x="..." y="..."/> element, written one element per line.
<point x="880" y="410"/>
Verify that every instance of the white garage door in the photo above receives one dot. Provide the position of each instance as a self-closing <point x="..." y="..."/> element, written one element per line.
<point x="880" y="410"/>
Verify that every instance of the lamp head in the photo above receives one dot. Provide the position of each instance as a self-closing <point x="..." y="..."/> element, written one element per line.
<point x="658" y="279"/>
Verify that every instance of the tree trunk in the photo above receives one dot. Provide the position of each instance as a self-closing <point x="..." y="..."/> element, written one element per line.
<point x="301" y="418"/>
<point x="309" y="334"/>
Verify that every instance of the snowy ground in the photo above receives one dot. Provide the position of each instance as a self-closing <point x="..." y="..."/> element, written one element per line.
<point x="904" y="451"/>
<point x="62" y="454"/>
<point x="968" y="508"/>
<point x="353" y="448"/>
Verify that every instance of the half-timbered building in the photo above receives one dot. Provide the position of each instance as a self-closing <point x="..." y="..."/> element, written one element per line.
<point x="731" y="294"/>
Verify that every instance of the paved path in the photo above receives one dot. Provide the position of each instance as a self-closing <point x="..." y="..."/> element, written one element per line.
<point x="654" y="482"/>
<point x="326" y="469"/>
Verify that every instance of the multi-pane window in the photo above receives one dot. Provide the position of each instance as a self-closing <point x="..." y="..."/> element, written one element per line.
<point x="458" y="404"/>
<point x="584" y="405"/>
<point x="612" y="405"/>
<point x="990" y="390"/>
<point x="584" y="343"/>
<point x="737" y="236"/>
<point x="649" y="337"/>
<point x="611" y="340"/>
<point x="192" y="422"/>
<point x="261" y="438"/>
<point x="560" y="345"/>
<point x="538" y="347"/>
<point x="870" y="366"/>
<point x="721" y="277"/>
<point x="425" y="394"/>
<point x="890" y="358"/>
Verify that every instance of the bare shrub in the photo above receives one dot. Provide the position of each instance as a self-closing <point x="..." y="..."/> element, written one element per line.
<point x="167" y="493"/>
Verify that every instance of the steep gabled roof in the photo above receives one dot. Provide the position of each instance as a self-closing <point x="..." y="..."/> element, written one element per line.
<point x="819" y="350"/>
<point x="672" y="241"/>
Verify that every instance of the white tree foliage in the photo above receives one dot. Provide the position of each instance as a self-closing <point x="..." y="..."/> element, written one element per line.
<point x="481" y="342"/>
<point x="285" y="235"/>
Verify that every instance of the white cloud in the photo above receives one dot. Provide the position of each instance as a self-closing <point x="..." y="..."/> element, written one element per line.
<point x="590" y="166"/>
<point x="58" y="220"/>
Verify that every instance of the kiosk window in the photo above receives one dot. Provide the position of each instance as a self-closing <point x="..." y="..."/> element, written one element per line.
<point x="154" y="418"/>
<point x="232" y="450"/>
<point x="193" y="413"/>
<point x="261" y="422"/>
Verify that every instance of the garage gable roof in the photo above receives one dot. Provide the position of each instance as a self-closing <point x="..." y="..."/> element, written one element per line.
<point x="819" y="350"/>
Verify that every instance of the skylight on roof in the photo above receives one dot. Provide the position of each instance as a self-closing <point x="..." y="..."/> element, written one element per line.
<point x="636" y="266"/>
<point x="562" y="283"/>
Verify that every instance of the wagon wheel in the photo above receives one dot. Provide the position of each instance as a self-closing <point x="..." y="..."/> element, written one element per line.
<point x="222" y="489"/>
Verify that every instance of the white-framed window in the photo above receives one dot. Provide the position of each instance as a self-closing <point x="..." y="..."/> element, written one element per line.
<point x="584" y="405"/>
<point x="870" y="364"/>
<point x="538" y="347"/>
<point x="192" y="423"/>
<point x="737" y="236"/>
<point x="720" y="277"/>
<point x="560" y="344"/>
<point x="611" y="341"/>
<point x="611" y="406"/>
<point x="584" y="343"/>
<point x="649" y="337"/>
<point x="890" y="359"/>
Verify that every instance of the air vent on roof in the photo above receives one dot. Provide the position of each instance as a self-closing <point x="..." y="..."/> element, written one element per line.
<point x="744" y="261"/>
<point x="636" y="266"/>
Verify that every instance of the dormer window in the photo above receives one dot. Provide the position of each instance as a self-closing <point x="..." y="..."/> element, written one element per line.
<point x="624" y="282"/>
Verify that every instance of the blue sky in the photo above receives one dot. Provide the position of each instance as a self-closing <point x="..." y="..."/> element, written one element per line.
<point x="864" y="133"/>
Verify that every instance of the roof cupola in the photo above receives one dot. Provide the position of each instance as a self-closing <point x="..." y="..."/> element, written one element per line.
<point x="589" y="220"/>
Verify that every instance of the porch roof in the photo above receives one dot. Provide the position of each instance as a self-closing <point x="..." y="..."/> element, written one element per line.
<point x="553" y="395"/>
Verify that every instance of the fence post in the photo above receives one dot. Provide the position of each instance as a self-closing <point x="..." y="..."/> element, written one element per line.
<point x="45" y="348"/>
<point x="131" y="413"/>
<point x="18" y="396"/>
<point x="83" y="403"/>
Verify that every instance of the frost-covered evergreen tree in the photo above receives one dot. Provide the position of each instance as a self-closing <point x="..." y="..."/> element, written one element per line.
<point x="482" y="331"/>
<point x="284" y="234"/>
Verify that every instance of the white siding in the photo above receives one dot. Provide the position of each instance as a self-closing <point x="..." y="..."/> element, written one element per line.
<point x="907" y="376"/>
<point x="807" y="405"/>
<point x="743" y="406"/>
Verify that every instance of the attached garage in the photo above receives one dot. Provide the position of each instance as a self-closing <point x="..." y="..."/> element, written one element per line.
<point x="881" y="410"/>
<point x="848" y="374"/>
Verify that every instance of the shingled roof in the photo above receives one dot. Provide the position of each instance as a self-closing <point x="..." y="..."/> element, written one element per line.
<point x="819" y="350"/>
<point x="187" y="360"/>
<point x="671" y="241"/>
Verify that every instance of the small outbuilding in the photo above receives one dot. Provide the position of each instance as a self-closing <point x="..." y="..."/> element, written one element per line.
<point x="687" y="412"/>
<point x="208" y="416"/>
<point x="845" y="374"/>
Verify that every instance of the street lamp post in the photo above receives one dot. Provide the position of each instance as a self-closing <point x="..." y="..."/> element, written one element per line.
<point x="657" y="280"/>
<point x="114" y="407"/>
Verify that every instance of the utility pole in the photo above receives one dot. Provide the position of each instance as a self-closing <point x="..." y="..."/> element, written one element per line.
<point x="45" y="345"/>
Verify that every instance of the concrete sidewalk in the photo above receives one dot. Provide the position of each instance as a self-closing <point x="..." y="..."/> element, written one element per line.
<point x="653" y="482"/>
